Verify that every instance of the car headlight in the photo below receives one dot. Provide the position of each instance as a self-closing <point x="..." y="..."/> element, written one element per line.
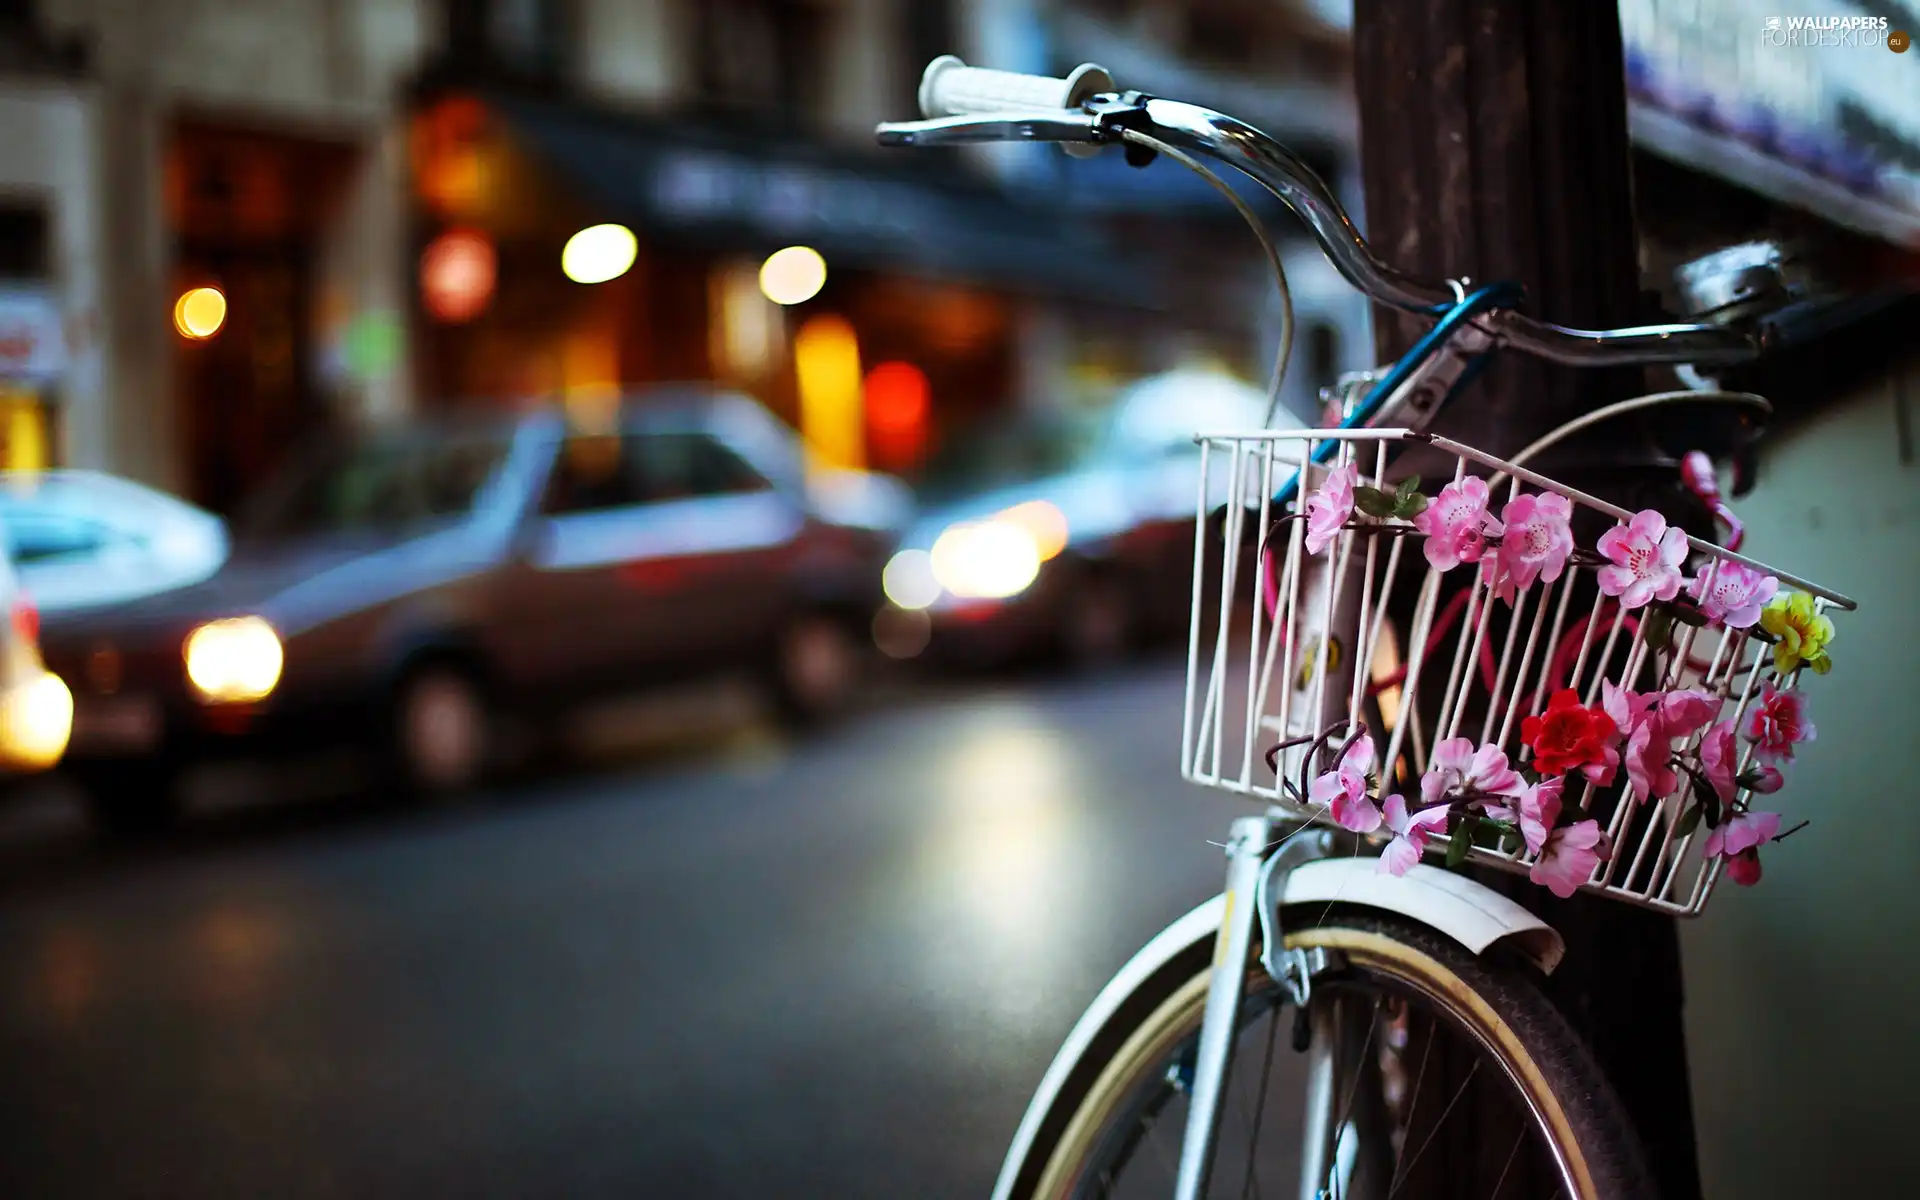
<point x="985" y="560"/>
<point x="234" y="661"/>
<point x="908" y="580"/>
<point x="36" y="719"/>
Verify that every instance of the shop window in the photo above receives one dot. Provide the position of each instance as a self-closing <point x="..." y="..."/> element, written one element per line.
<point x="766" y="56"/>
<point x="23" y="242"/>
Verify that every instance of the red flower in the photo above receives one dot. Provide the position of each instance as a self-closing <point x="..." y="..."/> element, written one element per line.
<point x="1569" y="736"/>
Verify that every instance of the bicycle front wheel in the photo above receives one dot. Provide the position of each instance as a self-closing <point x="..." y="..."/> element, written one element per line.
<point x="1428" y="1072"/>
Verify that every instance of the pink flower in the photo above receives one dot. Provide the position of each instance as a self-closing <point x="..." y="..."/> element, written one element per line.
<point x="1343" y="790"/>
<point x="1411" y="833"/>
<point x="1731" y="593"/>
<point x="1625" y="707"/>
<point x="1653" y="721"/>
<point x="1330" y="506"/>
<point x="1778" y="723"/>
<point x="1536" y="810"/>
<point x="1720" y="760"/>
<point x="1568" y="858"/>
<point x="1457" y="524"/>
<point x="1457" y="766"/>
<point x="1645" y="558"/>
<point x="1538" y="539"/>
<point x="1739" y="838"/>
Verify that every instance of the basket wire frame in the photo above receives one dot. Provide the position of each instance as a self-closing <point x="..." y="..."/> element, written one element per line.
<point x="1262" y="672"/>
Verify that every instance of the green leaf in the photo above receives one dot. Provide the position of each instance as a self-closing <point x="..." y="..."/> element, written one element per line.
<point x="1689" y="616"/>
<point x="1410" y="507"/>
<point x="1410" y="486"/>
<point x="1689" y="821"/>
<point x="1511" y="840"/>
<point x="1462" y="840"/>
<point x="1373" y="502"/>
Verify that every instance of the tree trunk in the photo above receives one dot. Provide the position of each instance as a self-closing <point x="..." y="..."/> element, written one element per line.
<point x="1494" y="145"/>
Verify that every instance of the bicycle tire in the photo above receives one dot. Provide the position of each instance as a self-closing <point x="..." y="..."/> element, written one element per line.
<point x="1500" y="1003"/>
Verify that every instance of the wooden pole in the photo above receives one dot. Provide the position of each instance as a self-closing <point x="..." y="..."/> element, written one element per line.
<point x="1494" y="145"/>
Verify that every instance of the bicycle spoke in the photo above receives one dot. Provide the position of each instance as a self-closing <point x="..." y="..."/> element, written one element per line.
<point x="1444" y="1113"/>
<point x="1511" y="1155"/>
<point x="1252" y="1186"/>
<point x="1413" y="1104"/>
<point x="1353" y="1092"/>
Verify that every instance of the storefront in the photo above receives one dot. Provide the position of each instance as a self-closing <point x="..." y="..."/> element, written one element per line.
<point x="872" y="299"/>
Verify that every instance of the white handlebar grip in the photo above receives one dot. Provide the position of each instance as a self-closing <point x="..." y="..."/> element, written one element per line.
<point x="951" y="88"/>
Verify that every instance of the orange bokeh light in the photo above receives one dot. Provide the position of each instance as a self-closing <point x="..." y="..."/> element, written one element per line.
<point x="457" y="273"/>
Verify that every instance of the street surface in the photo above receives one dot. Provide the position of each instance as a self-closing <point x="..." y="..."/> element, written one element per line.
<point x="830" y="967"/>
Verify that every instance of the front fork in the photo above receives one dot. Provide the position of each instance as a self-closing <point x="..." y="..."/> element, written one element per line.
<point x="1256" y="887"/>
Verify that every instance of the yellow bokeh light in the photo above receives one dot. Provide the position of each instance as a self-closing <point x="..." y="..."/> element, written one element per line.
<point x="1044" y="523"/>
<point x="200" y="312"/>
<point x="793" y="275"/>
<point x="826" y="365"/>
<point x="599" y="253"/>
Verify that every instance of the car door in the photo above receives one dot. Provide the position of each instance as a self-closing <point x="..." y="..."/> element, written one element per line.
<point x="718" y="542"/>
<point x="566" y="612"/>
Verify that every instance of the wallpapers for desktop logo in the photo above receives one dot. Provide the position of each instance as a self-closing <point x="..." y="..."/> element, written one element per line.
<point x="1833" y="31"/>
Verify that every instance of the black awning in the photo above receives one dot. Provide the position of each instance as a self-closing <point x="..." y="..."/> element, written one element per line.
<point x="903" y="211"/>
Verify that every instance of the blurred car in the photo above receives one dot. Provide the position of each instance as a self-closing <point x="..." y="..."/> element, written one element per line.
<point x="36" y="708"/>
<point x="1062" y="534"/>
<point x="403" y="590"/>
<point x="82" y="538"/>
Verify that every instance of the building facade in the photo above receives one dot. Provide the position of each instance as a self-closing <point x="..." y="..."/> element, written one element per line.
<point x="380" y="191"/>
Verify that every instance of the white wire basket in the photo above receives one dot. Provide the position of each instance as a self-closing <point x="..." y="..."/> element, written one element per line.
<point x="1425" y="649"/>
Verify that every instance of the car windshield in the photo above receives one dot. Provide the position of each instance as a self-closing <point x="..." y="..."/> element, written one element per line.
<point x="993" y="453"/>
<point x="381" y="483"/>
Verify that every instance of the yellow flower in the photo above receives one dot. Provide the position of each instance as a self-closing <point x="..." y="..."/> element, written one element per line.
<point x="1802" y="631"/>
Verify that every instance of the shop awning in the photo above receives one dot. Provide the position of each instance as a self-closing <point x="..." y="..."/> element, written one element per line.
<point x="913" y="213"/>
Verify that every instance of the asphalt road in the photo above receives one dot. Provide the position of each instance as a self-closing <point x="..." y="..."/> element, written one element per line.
<point x="833" y="967"/>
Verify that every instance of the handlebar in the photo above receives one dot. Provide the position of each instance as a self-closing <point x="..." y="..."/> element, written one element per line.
<point x="966" y="105"/>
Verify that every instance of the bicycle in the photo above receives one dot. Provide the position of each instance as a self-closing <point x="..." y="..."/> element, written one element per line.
<point x="1389" y="963"/>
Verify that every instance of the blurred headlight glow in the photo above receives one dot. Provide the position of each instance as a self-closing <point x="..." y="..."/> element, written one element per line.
<point x="908" y="580"/>
<point x="35" y="721"/>
<point x="1043" y="522"/>
<point x="234" y="661"/>
<point x="986" y="560"/>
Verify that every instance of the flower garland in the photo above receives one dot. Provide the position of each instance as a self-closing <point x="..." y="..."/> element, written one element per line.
<point x="1474" y="795"/>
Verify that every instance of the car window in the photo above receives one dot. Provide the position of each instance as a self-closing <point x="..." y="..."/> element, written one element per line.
<point x="595" y="472"/>
<point x="43" y="538"/>
<point x="381" y="483"/>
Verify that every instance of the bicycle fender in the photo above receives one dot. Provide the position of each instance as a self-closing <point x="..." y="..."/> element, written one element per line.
<point x="1470" y="913"/>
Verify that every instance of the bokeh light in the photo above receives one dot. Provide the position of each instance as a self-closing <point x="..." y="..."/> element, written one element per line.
<point x="457" y="273"/>
<point x="1044" y="523"/>
<point x="897" y="397"/>
<point x="793" y="275"/>
<point x="989" y="560"/>
<point x="200" y="312"/>
<point x="599" y="253"/>
<point x="908" y="580"/>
